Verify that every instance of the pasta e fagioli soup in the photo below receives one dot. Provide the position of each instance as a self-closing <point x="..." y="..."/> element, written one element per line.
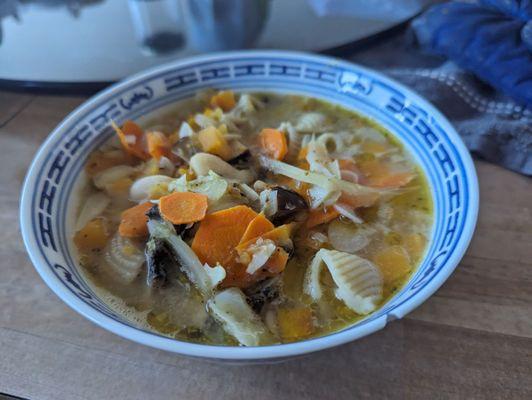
<point x="251" y="219"/>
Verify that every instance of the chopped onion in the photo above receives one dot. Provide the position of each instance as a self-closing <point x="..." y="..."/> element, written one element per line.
<point x="320" y="196"/>
<point x="295" y="139"/>
<point x="203" y="121"/>
<point x="347" y="237"/>
<point x="311" y="122"/>
<point x="248" y="192"/>
<point x="123" y="259"/>
<point x="349" y="176"/>
<point x="319" y="237"/>
<point x="334" y="139"/>
<point x="320" y="161"/>
<point x="185" y="130"/>
<point x="142" y="188"/>
<point x="238" y="319"/>
<point x="260" y="253"/>
<point x="202" y="163"/>
<point x="281" y="168"/>
<point x="348" y="212"/>
<point x="94" y="205"/>
<point x="328" y="183"/>
<point x="166" y="165"/>
<point x="268" y="202"/>
<point x="212" y="185"/>
<point x="226" y="201"/>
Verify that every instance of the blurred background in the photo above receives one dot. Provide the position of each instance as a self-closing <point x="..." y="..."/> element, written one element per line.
<point x="72" y="42"/>
<point x="471" y="58"/>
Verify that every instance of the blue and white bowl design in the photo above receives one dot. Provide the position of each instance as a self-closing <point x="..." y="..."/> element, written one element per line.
<point x="49" y="193"/>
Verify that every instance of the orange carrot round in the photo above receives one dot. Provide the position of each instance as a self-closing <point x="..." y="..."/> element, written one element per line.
<point x="257" y="227"/>
<point x="183" y="207"/>
<point x="220" y="232"/>
<point x="134" y="220"/>
<point x="273" y="143"/>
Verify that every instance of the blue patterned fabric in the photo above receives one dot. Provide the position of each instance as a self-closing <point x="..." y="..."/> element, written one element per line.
<point x="491" y="38"/>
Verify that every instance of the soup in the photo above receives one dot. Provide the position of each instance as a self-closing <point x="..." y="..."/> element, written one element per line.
<point x="251" y="219"/>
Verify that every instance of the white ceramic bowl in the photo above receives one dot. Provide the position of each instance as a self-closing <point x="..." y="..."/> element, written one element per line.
<point x="48" y="197"/>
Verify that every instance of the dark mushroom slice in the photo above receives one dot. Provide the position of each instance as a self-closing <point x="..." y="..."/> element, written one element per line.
<point x="263" y="292"/>
<point x="154" y="214"/>
<point x="241" y="160"/>
<point x="286" y="204"/>
<point x="159" y="260"/>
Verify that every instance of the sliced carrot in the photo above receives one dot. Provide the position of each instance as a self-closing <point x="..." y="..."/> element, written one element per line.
<point x="302" y="158"/>
<point x="382" y="175"/>
<point x="93" y="236"/>
<point x="302" y="155"/>
<point x="236" y="274"/>
<point x="273" y="143"/>
<point x="277" y="262"/>
<point x="279" y="235"/>
<point x="321" y="216"/>
<point x="257" y="227"/>
<point x="183" y="207"/>
<point x="220" y="232"/>
<point x="134" y="220"/>
<point x="159" y="145"/>
<point x="132" y="138"/>
<point x="213" y="141"/>
<point x="224" y="99"/>
<point x="393" y="262"/>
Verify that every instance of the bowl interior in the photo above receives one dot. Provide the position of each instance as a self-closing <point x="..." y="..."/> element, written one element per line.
<point x="49" y="194"/>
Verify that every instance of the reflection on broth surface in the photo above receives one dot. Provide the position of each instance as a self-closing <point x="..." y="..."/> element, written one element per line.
<point x="251" y="219"/>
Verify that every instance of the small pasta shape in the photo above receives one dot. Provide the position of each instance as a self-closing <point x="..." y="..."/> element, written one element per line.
<point x="358" y="282"/>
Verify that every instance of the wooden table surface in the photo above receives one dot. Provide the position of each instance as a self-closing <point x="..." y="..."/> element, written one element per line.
<point x="471" y="340"/>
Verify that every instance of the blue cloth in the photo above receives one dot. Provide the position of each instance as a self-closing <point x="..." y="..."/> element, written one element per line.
<point x="493" y="126"/>
<point x="491" y="38"/>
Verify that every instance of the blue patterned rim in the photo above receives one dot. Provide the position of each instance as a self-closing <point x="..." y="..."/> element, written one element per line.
<point x="47" y="197"/>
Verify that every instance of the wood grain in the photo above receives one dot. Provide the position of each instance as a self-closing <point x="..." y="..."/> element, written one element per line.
<point x="471" y="340"/>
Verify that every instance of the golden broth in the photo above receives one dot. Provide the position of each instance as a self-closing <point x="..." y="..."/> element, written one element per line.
<point x="398" y="228"/>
